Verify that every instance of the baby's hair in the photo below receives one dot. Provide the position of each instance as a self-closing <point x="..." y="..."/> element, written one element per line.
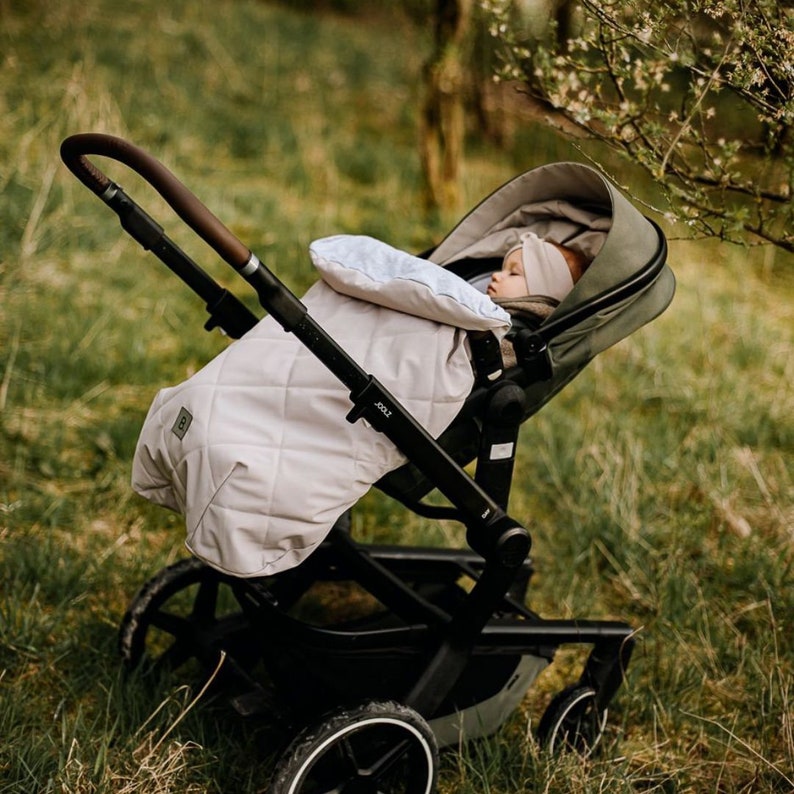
<point x="577" y="261"/>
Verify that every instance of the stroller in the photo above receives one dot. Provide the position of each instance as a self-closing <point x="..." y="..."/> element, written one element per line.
<point x="384" y="653"/>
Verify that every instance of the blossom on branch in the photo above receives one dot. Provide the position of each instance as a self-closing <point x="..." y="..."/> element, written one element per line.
<point x="698" y="93"/>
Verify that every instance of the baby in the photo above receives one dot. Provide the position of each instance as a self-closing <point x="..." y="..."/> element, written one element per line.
<point x="537" y="267"/>
<point x="536" y="275"/>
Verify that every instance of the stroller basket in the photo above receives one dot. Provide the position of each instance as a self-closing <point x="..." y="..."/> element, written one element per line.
<point x="437" y="643"/>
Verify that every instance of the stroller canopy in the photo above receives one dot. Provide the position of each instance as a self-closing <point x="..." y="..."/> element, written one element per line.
<point x="627" y="284"/>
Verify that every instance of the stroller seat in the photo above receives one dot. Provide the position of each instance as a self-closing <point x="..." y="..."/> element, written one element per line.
<point x="627" y="284"/>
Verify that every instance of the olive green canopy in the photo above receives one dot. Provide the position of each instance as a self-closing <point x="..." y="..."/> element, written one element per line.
<point x="575" y="205"/>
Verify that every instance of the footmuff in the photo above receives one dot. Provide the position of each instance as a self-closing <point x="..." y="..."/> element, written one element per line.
<point x="254" y="449"/>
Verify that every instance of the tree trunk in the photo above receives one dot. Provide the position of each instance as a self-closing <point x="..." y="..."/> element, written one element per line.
<point x="442" y="126"/>
<point x="564" y="15"/>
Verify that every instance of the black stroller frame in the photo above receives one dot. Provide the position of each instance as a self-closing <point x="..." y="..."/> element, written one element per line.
<point x="439" y="639"/>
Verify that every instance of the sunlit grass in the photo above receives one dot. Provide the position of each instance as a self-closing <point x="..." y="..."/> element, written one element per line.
<point x="658" y="486"/>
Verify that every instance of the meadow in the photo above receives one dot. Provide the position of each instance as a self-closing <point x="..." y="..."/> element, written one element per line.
<point x="658" y="486"/>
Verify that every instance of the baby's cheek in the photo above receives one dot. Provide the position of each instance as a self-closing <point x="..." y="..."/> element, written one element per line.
<point x="518" y="286"/>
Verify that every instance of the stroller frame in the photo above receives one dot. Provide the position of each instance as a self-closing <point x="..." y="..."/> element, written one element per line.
<point x="428" y="650"/>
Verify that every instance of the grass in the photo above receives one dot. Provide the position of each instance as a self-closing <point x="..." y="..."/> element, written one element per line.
<point x="658" y="486"/>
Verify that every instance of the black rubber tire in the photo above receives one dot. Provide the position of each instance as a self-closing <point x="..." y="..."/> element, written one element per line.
<point x="572" y="721"/>
<point x="381" y="747"/>
<point x="186" y="611"/>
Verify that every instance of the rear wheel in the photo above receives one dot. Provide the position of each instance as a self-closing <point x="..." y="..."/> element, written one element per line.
<point x="187" y="611"/>
<point x="572" y="721"/>
<point x="378" y="748"/>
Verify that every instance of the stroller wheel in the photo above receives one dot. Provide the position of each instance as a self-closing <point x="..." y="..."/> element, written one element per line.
<point x="572" y="721"/>
<point x="187" y="611"/>
<point x="378" y="748"/>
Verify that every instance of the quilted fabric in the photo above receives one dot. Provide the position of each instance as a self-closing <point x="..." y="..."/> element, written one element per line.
<point x="255" y="449"/>
<point x="371" y="270"/>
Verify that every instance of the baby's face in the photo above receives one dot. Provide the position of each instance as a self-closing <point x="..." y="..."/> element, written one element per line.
<point x="509" y="282"/>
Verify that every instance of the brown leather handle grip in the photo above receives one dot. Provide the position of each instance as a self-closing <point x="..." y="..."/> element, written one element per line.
<point x="74" y="153"/>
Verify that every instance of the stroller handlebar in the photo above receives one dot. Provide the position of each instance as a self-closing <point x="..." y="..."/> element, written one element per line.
<point x="74" y="153"/>
<point x="273" y="296"/>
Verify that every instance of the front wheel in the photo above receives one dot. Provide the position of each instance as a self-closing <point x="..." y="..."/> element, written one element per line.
<point x="572" y="721"/>
<point x="377" y="748"/>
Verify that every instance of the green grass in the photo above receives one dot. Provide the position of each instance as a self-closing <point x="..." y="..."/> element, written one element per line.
<point x="658" y="486"/>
